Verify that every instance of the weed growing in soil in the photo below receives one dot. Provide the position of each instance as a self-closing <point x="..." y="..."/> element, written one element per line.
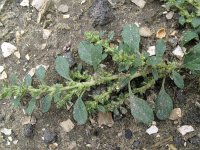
<point x="120" y="72"/>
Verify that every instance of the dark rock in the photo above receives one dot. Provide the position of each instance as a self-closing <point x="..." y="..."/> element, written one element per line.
<point x="179" y="141"/>
<point x="69" y="58"/>
<point x="117" y="148"/>
<point x="128" y="134"/>
<point x="28" y="130"/>
<point x="101" y="12"/>
<point x="180" y="95"/>
<point x="136" y="144"/>
<point x="195" y="140"/>
<point x="173" y="42"/>
<point x="50" y="137"/>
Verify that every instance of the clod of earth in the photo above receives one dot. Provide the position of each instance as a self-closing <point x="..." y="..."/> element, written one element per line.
<point x="101" y="12"/>
<point x="28" y="130"/>
<point x="50" y="137"/>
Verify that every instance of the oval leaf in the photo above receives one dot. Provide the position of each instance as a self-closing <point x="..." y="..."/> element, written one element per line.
<point x="164" y="104"/>
<point x="188" y="36"/>
<point x="62" y="67"/>
<point x="91" y="54"/>
<point x="40" y="73"/>
<point x="131" y="37"/>
<point x="31" y="106"/>
<point x="178" y="79"/>
<point x="160" y="48"/>
<point x="28" y="80"/>
<point x="192" y="59"/>
<point x="80" y="113"/>
<point x="140" y="110"/>
<point x="46" y="103"/>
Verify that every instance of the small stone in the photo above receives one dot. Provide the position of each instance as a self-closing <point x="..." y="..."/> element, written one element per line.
<point x="10" y="138"/>
<point x="195" y="140"/>
<point x="136" y="144"/>
<point x="8" y="143"/>
<point x="151" y="50"/>
<point x="145" y="32"/>
<point x="44" y="66"/>
<point x="46" y="33"/>
<point x="128" y="134"/>
<point x="105" y="119"/>
<point x="178" y="141"/>
<point x="3" y="75"/>
<point x="66" y="16"/>
<point x="185" y="129"/>
<point x="152" y="130"/>
<point x="178" y="52"/>
<point x="83" y="1"/>
<point x="175" y="114"/>
<point x="53" y="146"/>
<point x="32" y="72"/>
<point x="25" y="3"/>
<point x="27" y="57"/>
<point x="15" y="142"/>
<point x="28" y="130"/>
<point x="6" y="131"/>
<point x="89" y="145"/>
<point x="67" y="125"/>
<point x="28" y="120"/>
<point x="69" y="58"/>
<point x="50" y="137"/>
<point x="139" y="3"/>
<point x="1" y="69"/>
<point x="63" y="8"/>
<point x="170" y="15"/>
<point x="17" y="54"/>
<point x="38" y="4"/>
<point x="180" y="95"/>
<point x="43" y="46"/>
<point x="7" y="49"/>
<point x="123" y="110"/>
<point x="173" y="41"/>
<point x="161" y="33"/>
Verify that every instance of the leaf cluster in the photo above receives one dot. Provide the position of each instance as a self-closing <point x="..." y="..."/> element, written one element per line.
<point x="100" y="87"/>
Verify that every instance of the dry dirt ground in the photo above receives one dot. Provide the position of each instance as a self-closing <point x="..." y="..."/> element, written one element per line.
<point x="17" y="18"/>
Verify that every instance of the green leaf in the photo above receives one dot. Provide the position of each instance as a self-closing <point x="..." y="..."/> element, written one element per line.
<point x="160" y="48"/>
<point x="192" y="59"/>
<point x="188" y="36"/>
<point x="153" y="60"/>
<point x="46" y="103"/>
<point x="196" y="22"/>
<point x="16" y="102"/>
<point x="28" y="80"/>
<point x="31" y="106"/>
<point x="131" y="37"/>
<point x="91" y="54"/>
<point x="155" y="74"/>
<point x="101" y="108"/>
<point x="164" y="104"/>
<point x="62" y="67"/>
<point x="40" y="73"/>
<point x="178" y="79"/>
<point x="13" y="79"/>
<point x="56" y="97"/>
<point x="141" y="110"/>
<point x="182" y="20"/>
<point x="111" y="35"/>
<point x="80" y="113"/>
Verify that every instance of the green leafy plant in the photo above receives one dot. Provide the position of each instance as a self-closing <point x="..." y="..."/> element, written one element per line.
<point x="115" y="66"/>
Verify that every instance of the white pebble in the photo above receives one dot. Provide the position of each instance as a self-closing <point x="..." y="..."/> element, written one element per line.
<point x="1" y="69"/>
<point x="6" y="131"/>
<point x="24" y="3"/>
<point x="3" y="75"/>
<point x="178" y="52"/>
<point x="139" y="3"/>
<point x="185" y="129"/>
<point x="152" y="130"/>
<point x="151" y="50"/>
<point x="7" y="49"/>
